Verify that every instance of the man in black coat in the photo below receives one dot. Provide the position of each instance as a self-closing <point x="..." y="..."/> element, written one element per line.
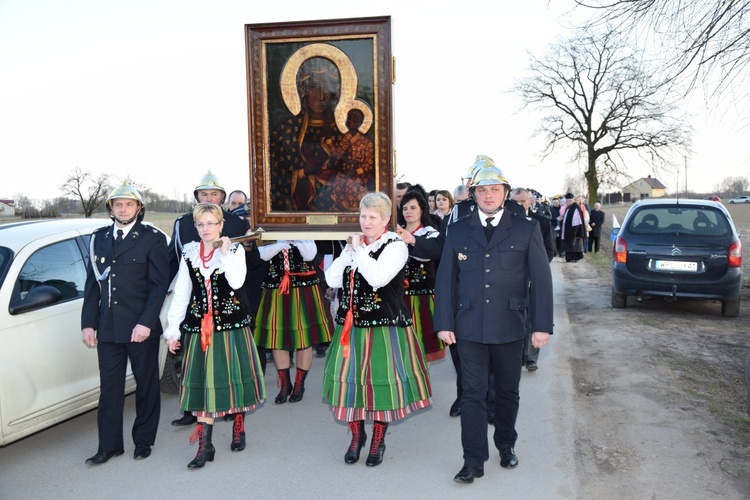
<point x="596" y="221"/>
<point x="527" y="200"/>
<point x="493" y="268"/>
<point x="125" y="289"/>
<point x="209" y="190"/>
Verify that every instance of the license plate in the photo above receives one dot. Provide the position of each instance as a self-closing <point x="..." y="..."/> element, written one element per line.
<point x="675" y="265"/>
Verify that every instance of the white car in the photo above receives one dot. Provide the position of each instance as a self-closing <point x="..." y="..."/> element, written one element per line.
<point x="47" y="374"/>
<point x="740" y="199"/>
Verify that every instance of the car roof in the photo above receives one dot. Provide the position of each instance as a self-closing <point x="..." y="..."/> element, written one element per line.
<point x="677" y="201"/>
<point x="19" y="234"/>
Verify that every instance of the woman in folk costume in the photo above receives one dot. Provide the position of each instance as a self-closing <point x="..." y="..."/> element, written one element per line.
<point x="292" y="314"/>
<point x="221" y="367"/>
<point x="375" y="368"/>
<point x="419" y="283"/>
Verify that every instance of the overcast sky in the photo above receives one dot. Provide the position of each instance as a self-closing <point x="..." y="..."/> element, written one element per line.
<point x="156" y="90"/>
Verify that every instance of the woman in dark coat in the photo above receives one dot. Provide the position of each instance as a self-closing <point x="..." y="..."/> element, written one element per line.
<point x="572" y="230"/>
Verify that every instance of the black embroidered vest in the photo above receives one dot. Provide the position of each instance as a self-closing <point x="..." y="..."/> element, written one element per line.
<point x="384" y="307"/>
<point x="228" y="312"/>
<point x="302" y="273"/>
<point x="420" y="277"/>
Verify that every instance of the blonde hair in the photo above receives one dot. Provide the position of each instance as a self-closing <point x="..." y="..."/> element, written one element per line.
<point x="377" y="201"/>
<point x="208" y="208"/>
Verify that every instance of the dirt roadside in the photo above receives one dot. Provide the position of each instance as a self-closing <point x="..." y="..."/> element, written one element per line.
<point x="660" y="397"/>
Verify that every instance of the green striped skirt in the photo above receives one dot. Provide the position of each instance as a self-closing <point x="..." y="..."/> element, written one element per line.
<point x="226" y="378"/>
<point x="296" y="320"/>
<point x="384" y="378"/>
<point x="422" y="310"/>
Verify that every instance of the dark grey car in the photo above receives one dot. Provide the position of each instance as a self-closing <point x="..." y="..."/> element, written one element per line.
<point x="678" y="249"/>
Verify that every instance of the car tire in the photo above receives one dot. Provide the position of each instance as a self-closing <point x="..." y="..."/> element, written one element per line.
<point x="619" y="300"/>
<point x="731" y="202"/>
<point x="730" y="308"/>
<point x="172" y="375"/>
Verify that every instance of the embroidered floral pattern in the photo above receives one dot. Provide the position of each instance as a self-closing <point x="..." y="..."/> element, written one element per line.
<point x="228" y="311"/>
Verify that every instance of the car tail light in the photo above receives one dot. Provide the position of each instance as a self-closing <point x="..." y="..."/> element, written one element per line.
<point x="620" y="251"/>
<point x="735" y="254"/>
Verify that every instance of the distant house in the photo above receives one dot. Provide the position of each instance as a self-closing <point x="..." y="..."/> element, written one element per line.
<point x="7" y="208"/>
<point x="645" y="187"/>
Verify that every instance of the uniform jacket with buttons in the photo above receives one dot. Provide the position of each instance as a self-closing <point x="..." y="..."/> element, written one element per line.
<point x="483" y="288"/>
<point x="127" y="287"/>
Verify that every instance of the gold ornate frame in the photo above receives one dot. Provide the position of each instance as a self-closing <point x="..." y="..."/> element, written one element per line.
<point x="360" y="49"/>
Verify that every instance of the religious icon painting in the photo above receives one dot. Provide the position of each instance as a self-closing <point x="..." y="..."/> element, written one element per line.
<point x="319" y="115"/>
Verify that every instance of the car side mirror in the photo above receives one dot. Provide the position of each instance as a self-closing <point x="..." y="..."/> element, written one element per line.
<point x="38" y="297"/>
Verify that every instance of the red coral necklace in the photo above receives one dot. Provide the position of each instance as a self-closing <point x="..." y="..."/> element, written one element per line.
<point x="205" y="260"/>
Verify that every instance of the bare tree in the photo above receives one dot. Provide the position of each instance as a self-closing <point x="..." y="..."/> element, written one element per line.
<point x="23" y="204"/>
<point x="90" y="190"/>
<point x="732" y="186"/>
<point x="702" y="39"/>
<point x="596" y="93"/>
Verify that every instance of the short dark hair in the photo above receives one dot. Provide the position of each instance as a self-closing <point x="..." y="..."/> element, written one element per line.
<point x="403" y="185"/>
<point x="237" y="191"/>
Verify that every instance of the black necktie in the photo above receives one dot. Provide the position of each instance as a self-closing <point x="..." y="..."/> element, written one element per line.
<point x="118" y="240"/>
<point x="488" y="227"/>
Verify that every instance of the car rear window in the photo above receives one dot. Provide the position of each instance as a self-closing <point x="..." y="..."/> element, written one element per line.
<point x="700" y="221"/>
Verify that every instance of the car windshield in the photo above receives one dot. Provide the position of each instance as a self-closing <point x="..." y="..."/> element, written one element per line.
<point x="685" y="220"/>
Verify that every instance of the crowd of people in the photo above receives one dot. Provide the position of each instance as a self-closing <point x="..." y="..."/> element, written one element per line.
<point x="466" y="268"/>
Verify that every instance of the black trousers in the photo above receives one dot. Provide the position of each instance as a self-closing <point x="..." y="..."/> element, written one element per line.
<point x="113" y="361"/>
<point x="594" y="243"/>
<point x="475" y="369"/>
<point x="459" y="389"/>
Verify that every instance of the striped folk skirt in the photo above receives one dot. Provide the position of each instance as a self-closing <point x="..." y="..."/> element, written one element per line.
<point x="226" y="378"/>
<point x="384" y="378"/>
<point x="296" y="320"/>
<point x="422" y="310"/>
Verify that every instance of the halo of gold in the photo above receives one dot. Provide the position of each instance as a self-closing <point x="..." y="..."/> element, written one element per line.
<point x="347" y="99"/>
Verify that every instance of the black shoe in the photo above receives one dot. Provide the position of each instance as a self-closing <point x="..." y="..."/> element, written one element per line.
<point x="467" y="474"/>
<point x="508" y="458"/>
<point x="455" y="408"/>
<point x="531" y="366"/>
<point x="103" y="456"/>
<point x="185" y="420"/>
<point x="375" y="458"/>
<point x="359" y="438"/>
<point x="142" y="451"/>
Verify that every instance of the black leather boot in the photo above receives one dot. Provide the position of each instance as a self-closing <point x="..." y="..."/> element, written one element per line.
<point x="206" y="450"/>
<point x="286" y="386"/>
<point x="187" y="418"/>
<point x="299" y="386"/>
<point x="359" y="438"/>
<point x="238" y="432"/>
<point x="377" y="446"/>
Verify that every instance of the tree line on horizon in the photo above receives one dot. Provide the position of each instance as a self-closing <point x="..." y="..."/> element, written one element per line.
<point x="85" y="193"/>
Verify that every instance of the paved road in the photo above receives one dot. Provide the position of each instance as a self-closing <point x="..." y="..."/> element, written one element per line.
<point x="296" y="450"/>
